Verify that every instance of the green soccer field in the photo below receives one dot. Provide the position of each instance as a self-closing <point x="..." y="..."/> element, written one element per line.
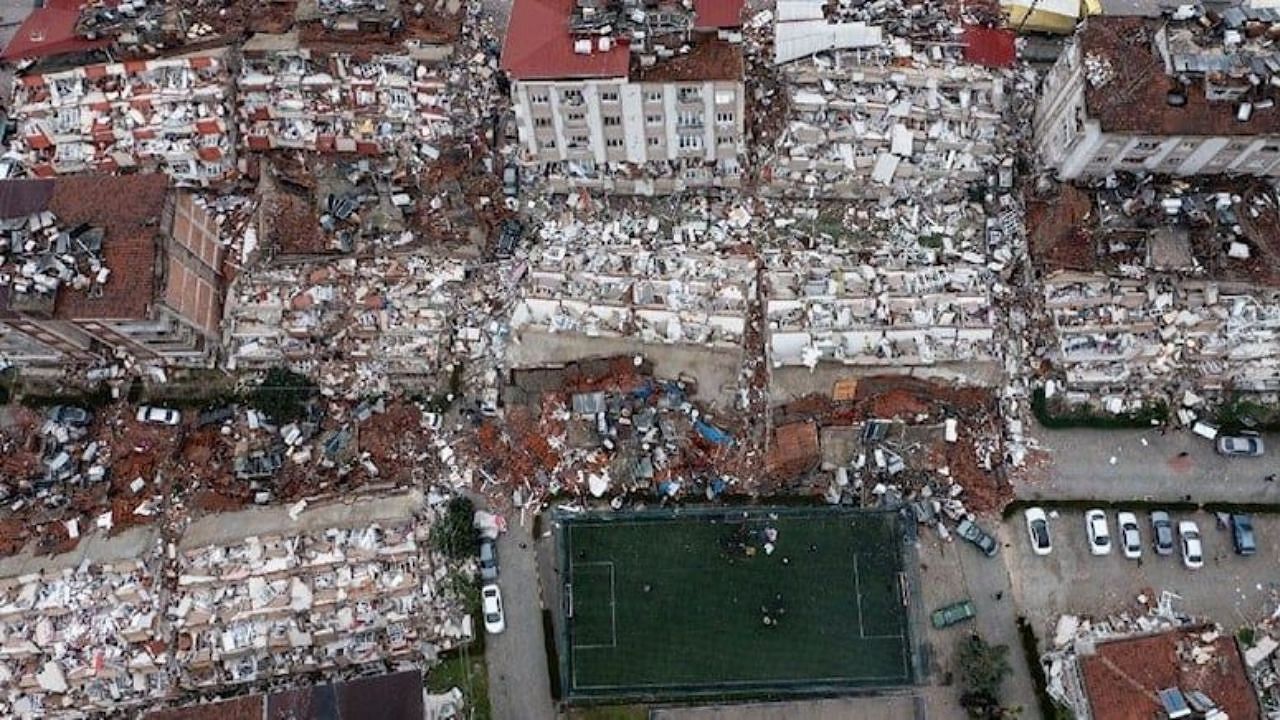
<point x="657" y="605"/>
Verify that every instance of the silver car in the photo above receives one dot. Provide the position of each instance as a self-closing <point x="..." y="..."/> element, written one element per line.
<point x="1242" y="445"/>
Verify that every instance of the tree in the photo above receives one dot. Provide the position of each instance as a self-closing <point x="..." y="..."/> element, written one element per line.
<point x="283" y="395"/>
<point x="455" y="534"/>
<point x="983" y="669"/>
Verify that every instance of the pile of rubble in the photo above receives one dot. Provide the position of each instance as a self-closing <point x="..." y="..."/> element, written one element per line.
<point x="83" y="639"/>
<point x="39" y="255"/>
<point x="329" y="599"/>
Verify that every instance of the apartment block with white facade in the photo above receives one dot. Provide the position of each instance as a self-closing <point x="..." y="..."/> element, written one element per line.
<point x="627" y="99"/>
<point x="1167" y="97"/>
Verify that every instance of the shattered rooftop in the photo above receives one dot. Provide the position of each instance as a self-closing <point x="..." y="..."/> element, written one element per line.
<point x="1134" y="67"/>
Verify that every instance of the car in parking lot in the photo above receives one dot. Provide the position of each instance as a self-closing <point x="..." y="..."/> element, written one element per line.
<point x="971" y="531"/>
<point x="491" y="607"/>
<point x="1130" y="536"/>
<point x="1245" y="444"/>
<point x="945" y="617"/>
<point x="1038" y="530"/>
<point x="1192" y="549"/>
<point x="488" y="559"/>
<point x="1095" y="525"/>
<point x="1161" y="532"/>
<point x="1242" y="536"/>
<point x="159" y="415"/>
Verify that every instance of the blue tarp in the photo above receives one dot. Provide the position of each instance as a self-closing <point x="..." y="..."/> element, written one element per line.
<point x="714" y="434"/>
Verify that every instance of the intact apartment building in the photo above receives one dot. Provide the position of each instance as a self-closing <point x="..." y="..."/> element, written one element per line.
<point x="1167" y="97"/>
<point x="628" y="98"/>
<point x="104" y="265"/>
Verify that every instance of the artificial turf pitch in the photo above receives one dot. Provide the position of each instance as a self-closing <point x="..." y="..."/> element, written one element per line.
<point x="669" y="605"/>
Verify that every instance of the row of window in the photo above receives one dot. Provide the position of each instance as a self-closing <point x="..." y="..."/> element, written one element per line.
<point x="686" y="142"/>
<point x="575" y="97"/>
<point x="692" y="120"/>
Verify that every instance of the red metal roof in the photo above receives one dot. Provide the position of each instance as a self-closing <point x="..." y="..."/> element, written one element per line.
<point x="50" y="30"/>
<point x="992" y="47"/>
<point x="718" y="13"/>
<point x="539" y="46"/>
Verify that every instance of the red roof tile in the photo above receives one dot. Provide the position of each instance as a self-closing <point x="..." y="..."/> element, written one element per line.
<point x="539" y="46"/>
<point x="1122" y="677"/>
<point x="717" y="13"/>
<point x="992" y="47"/>
<point x="50" y="30"/>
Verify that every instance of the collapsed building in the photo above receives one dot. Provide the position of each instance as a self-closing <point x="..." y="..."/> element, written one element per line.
<point x="1188" y="96"/>
<point x="866" y="110"/>
<point x="1162" y="289"/>
<point x="633" y="280"/>
<point x="626" y="96"/>
<point x="168" y="114"/>
<point x="103" y="267"/>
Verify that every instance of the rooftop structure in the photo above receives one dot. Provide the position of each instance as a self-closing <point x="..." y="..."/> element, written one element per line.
<point x="397" y="696"/>
<point x="1164" y="96"/>
<point x="617" y="95"/>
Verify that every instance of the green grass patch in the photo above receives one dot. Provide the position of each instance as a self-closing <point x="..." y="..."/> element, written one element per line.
<point x="1239" y="412"/>
<point x="92" y="399"/>
<point x="465" y="670"/>
<point x="1057" y="418"/>
<point x="668" y="605"/>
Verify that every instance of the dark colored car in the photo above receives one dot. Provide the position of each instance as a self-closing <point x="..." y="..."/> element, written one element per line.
<point x="488" y="559"/>
<point x="945" y="617"/>
<point x="215" y="416"/>
<point x="70" y="415"/>
<point x="1242" y="535"/>
<point x="972" y="532"/>
<point x="1161" y="532"/>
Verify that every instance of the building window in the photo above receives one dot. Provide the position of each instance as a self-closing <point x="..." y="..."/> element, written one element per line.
<point x="689" y="94"/>
<point x="542" y="122"/>
<point x="689" y="119"/>
<point x="1147" y="145"/>
<point x="690" y="141"/>
<point x="572" y="97"/>
<point x="726" y="140"/>
<point x="540" y="98"/>
<point x="613" y="142"/>
<point x="653" y="96"/>
<point x="609" y="96"/>
<point x="549" y="145"/>
<point x="578" y="141"/>
<point x="576" y="117"/>
<point x="612" y="120"/>
<point x="653" y="141"/>
<point x="653" y="119"/>
<point x="724" y="117"/>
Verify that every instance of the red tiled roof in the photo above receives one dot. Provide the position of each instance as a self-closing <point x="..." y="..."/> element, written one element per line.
<point x="129" y="209"/>
<point x="1122" y="677"/>
<point x="992" y="47"/>
<point x="539" y="46"/>
<point x="50" y="30"/>
<point x="717" y="13"/>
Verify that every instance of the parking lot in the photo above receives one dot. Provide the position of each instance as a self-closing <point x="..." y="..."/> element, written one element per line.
<point x="1229" y="589"/>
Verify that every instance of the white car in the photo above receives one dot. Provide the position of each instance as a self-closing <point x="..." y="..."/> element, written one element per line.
<point x="494" y="622"/>
<point x="159" y="415"/>
<point x="1130" y="536"/>
<point x="1038" y="530"/>
<point x="1095" y="525"/>
<point x="1192" y="550"/>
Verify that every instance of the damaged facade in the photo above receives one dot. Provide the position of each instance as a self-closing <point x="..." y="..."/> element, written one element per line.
<point x="1169" y="97"/>
<point x="167" y="115"/>
<point x="626" y="98"/>
<point x="106" y="267"/>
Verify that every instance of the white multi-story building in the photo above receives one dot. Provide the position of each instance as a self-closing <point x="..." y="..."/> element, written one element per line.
<point x="597" y="98"/>
<point x="1137" y="95"/>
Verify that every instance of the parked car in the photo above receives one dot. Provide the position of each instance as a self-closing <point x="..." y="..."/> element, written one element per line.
<point x="1246" y="444"/>
<point x="1192" y="550"/>
<point x="1242" y="535"/>
<point x="491" y="606"/>
<point x="1130" y="536"/>
<point x="945" y="617"/>
<point x="511" y="180"/>
<point x="1038" y="530"/>
<point x="1161" y="532"/>
<point x="1095" y="525"/>
<point x="159" y="415"/>
<point x="488" y="559"/>
<point x="972" y="532"/>
<point x="70" y="415"/>
<point x="215" y="416"/>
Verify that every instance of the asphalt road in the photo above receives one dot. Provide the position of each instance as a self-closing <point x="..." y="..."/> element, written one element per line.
<point x="519" y="686"/>
<point x="1122" y="465"/>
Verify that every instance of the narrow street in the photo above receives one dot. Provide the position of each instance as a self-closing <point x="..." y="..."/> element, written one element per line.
<point x="519" y="683"/>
